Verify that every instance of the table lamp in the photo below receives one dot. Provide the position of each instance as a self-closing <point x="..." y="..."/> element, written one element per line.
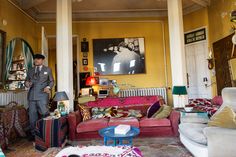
<point x="179" y="90"/>
<point x="61" y="97"/>
<point x="91" y="81"/>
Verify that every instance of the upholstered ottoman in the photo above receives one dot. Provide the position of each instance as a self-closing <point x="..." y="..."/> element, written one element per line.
<point x="51" y="133"/>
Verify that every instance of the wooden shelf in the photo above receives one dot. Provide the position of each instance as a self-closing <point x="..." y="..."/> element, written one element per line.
<point x="17" y="70"/>
<point x="18" y="61"/>
<point x="14" y="80"/>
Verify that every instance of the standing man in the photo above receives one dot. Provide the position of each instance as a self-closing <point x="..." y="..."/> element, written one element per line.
<point x="39" y="81"/>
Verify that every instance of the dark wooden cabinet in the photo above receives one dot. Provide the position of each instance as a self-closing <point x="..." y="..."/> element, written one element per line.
<point x="222" y="53"/>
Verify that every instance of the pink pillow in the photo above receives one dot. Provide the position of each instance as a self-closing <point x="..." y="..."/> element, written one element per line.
<point x="217" y="100"/>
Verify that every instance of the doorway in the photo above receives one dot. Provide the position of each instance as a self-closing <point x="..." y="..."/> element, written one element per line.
<point x="52" y="63"/>
<point x="198" y="74"/>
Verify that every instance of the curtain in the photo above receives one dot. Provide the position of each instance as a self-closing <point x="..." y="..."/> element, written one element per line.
<point x="27" y="55"/>
<point x="9" y="56"/>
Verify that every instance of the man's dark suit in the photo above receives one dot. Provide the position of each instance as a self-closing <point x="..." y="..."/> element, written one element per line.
<point x="37" y="98"/>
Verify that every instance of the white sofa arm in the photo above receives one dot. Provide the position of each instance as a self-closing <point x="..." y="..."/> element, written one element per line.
<point x="220" y="141"/>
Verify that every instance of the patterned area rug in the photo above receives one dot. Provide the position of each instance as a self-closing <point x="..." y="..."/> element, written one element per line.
<point x="150" y="147"/>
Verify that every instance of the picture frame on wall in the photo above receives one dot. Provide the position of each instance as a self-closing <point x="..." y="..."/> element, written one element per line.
<point x="2" y="50"/>
<point x="82" y="79"/>
<point x="85" y="61"/>
<point x="85" y="54"/>
<point x="119" y="56"/>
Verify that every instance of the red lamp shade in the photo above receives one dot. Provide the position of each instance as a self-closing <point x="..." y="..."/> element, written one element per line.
<point x="90" y="81"/>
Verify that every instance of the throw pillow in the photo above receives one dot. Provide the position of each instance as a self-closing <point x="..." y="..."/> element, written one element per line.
<point x="164" y="113"/>
<point x="85" y="112"/>
<point x="153" y="109"/>
<point x="103" y="112"/>
<point x="225" y="118"/>
<point x="135" y="113"/>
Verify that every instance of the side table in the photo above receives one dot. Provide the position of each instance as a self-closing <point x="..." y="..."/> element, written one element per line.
<point x="194" y="116"/>
<point x="51" y="132"/>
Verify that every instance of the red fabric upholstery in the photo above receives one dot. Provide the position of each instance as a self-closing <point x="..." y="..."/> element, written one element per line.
<point x="128" y="121"/>
<point x="89" y="129"/>
<point x="152" y="122"/>
<point x="74" y="118"/>
<point x="174" y="119"/>
<point x="92" y="125"/>
<point x="217" y="100"/>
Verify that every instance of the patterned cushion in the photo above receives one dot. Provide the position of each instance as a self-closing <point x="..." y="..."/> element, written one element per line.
<point x="204" y="105"/>
<point x="85" y="112"/>
<point x="135" y="113"/>
<point x="153" y="109"/>
<point x="101" y="112"/>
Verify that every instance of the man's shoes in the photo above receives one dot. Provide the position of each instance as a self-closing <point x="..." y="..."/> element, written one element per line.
<point x="31" y="138"/>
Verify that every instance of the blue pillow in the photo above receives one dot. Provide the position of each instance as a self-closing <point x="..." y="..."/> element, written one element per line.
<point x="153" y="109"/>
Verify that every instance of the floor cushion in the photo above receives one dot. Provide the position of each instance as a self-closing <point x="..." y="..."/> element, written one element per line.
<point x="92" y="125"/>
<point x="152" y="122"/>
<point x="124" y="120"/>
<point x="194" y="132"/>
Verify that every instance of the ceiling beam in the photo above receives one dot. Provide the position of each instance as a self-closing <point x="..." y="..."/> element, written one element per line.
<point x="203" y="3"/>
<point x="27" y="4"/>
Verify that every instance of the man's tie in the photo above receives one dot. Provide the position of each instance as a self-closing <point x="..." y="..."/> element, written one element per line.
<point x="37" y="71"/>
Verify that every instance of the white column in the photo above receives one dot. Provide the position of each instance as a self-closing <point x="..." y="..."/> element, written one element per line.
<point x="64" y="49"/>
<point x="177" y="51"/>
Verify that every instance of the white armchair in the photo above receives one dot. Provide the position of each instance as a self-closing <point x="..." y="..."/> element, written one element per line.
<point x="204" y="141"/>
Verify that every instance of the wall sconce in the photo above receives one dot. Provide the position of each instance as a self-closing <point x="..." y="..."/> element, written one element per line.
<point x="210" y="61"/>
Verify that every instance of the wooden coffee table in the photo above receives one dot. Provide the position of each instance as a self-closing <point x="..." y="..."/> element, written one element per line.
<point x="118" y="140"/>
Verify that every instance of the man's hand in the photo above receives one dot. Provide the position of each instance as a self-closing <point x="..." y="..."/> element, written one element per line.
<point x="47" y="90"/>
<point x="28" y="84"/>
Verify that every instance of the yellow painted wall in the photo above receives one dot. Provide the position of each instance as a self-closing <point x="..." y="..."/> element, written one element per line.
<point x="153" y="32"/>
<point x="219" y="22"/>
<point x="219" y="18"/>
<point x="18" y="24"/>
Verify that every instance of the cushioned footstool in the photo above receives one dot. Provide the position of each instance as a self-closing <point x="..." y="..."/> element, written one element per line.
<point x="51" y="133"/>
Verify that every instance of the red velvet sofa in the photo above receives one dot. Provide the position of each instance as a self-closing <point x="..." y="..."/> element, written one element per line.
<point x="148" y="126"/>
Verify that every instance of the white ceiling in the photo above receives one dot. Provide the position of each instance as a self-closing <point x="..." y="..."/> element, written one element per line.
<point x="45" y="10"/>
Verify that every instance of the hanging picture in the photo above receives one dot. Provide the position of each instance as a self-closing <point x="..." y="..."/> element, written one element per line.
<point x="119" y="56"/>
<point x="2" y="50"/>
<point x="85" y="61"/>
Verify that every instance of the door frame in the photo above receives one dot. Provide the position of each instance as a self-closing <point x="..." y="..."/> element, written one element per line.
<point x="209" y="72"/>
<point x="77" y="56"/>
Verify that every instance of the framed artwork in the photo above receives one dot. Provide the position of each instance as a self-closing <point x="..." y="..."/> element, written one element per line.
<point x="85" y="54"/>
<point x="84" y="46"/>
<point x="2" y="50"/>
<point x="85" y="61"/>
<point x="119" y="56"/>
<point x="82" y="79"/>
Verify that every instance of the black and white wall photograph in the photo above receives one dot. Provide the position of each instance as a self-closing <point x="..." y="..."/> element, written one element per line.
<point x="115" y="56"/>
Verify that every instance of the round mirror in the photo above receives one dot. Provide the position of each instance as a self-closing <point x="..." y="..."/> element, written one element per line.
<point x="18" y="59"/>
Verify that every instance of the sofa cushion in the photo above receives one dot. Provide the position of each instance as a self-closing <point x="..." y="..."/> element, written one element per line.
<point x="125" y="120"/>
<point x="164" y="113"/>
<point x="152" y="122"/>
<point x="153" y="109"/>
<point x="193" y="132"/>
<point x="92" y="125"/>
